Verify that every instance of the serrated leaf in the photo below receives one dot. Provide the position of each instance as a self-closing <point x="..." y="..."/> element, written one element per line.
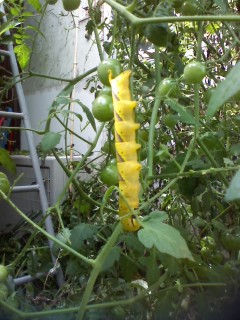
<point x="185" y="116"/>
<point x="164" y="237"/>
<point x="233" y="191"/>
<point x="80" y="233"/>
<point x="23" y="54"/>
<point x="224" y="91"/>
<point x="50" y="140"/>
<point x="6" y="161"/>
<point x="113" y="256"/>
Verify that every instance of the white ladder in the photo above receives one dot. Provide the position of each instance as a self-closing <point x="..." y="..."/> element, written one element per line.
<point x="39" y="186"/>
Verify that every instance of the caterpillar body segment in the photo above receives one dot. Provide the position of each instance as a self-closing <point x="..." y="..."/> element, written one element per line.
<point x="123" y="109"/>
<point x="125" y="131"/>
<point x="120" y="87"/>
<point x="126" y="149"/>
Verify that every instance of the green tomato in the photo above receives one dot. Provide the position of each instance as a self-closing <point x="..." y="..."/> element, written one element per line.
<point x="170" y="120"/>
<point x="109" y="175"/>
<point x="102" y="108"/>
<point x="157" y="34"/>
<point x="51" y="1"/>
<point x="189" y="8"/>
<point x="168" y="88"/>
<point x="105" y="91"/>
<point x="4" y="183"/>
<point x="194" y="72"/>
<point x="109" y="147"/>
<point x="106" y="68"/>
<point x="71" y="5"/>
<point x="230" y="241"/>
<point x="3" y="273"/>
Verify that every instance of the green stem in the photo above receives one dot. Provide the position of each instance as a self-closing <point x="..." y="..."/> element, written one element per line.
<point x="67" y="89"/>
<point x="122" y="10"/>
<point x="193" y="173"/>
<point x="45" y="233"/>
<point x="154" y="114"/>
<point x="95" y="30"/>
<point x="97" y="269"/>
<point x="213" y="162"/>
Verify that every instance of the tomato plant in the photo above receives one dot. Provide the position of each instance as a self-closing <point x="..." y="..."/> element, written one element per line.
<point x="106" y="68"/>
<point x="190" y="8"/>
<point x="4" y="183"/>
<point x="71" y="5"/>
<point x="194" y="72"/>
<point x="105" y="91"/>
<point x="3" y="272"/>
<point x="169" y="88"/>
<point x="51" y="1"/>
<point x="109" y="174"/>
<point x="102" y="108"/>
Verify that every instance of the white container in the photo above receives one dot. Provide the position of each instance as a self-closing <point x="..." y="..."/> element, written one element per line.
<point x="29" y="202"/>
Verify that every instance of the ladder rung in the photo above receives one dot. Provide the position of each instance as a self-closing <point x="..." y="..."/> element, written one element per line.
<point x="5" y="53"/>
<point x="29" y="188"/>
<point x="18" y="115"/>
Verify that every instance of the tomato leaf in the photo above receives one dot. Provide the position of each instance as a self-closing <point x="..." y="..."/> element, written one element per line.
<point x="233" y="191"/>
<point x="113" y="256"/>
<point x="6" y="161"/>
<point x="224" y="91"/>
<point x="164" y="237"/>
<point x="88" y="113"/>
<point x="185" y="116"/>
<point x="80" y="233"/>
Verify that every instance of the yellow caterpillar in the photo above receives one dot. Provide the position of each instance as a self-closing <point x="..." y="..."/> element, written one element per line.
<point x="126" y="149"/>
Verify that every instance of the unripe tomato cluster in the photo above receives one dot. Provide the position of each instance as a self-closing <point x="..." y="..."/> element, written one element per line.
<point x="68" y="5"/>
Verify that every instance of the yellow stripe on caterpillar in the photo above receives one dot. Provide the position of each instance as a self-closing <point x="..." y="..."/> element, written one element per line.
<point x="124" y="110"/>
<point x="127" y="151"/>
<point x="125" y="131"/>
<point x="120" y="86"/>
<point x="129" y="171"/>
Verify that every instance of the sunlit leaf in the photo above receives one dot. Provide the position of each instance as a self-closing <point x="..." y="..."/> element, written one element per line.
<point x="164" y="237"/>
<point x="233" y="191"/>
<point x="224" y="91"/>
<point x="23" y="54"/>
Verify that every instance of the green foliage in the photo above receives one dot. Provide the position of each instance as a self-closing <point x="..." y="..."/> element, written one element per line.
<point x="6" y="161"/>
<point x="164" y="237"/>
<point x="184" y="261"/>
